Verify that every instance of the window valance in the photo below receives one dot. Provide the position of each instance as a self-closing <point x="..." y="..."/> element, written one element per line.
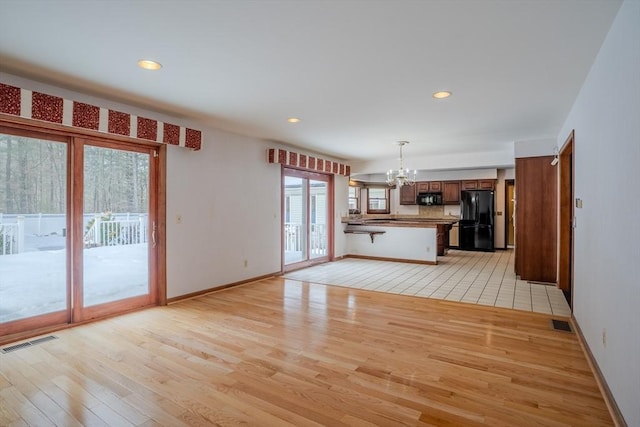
<point x="303" y="161"/>
<point x="54" y="109"/>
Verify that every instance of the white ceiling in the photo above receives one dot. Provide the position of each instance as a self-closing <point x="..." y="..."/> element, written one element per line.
<point x="359" y="74"/>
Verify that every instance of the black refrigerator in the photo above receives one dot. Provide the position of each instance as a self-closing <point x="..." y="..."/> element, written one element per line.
<point x="476" y="220"/>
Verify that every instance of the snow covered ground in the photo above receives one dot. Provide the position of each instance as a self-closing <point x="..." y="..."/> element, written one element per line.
<point x="33" y="283"/>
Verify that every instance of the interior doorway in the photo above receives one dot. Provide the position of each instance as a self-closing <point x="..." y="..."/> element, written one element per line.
<point x="566" y="215"/>
<point x="510" y="209"/>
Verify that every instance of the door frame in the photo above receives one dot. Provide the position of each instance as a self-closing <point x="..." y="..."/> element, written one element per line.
<point x="566" y="193"/>
<point x="79" y="312"/>
<point x="308" y="175"/>
<point x="507" y="184"/>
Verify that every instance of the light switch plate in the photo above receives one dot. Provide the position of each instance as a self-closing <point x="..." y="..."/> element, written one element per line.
<point x="579" y="203"/>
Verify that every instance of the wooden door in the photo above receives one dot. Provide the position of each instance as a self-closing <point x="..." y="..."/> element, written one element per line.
<point x="536" y="220"/>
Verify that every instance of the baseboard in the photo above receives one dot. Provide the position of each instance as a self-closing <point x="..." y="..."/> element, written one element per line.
<point x="375" y="258"/>
<point x="618" y="419"/>
<point x="218" y="288"/>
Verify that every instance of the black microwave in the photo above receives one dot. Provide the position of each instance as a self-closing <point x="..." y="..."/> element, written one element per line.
<point x="429" y="199"/>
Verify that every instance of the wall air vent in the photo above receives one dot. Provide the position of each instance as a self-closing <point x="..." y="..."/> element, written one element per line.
<point x="27" y="344"/>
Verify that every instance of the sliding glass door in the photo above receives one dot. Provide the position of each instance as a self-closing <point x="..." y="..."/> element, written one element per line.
<point x="119" y="229"/>
<point x="306" y="227"/>
<point x="77" y="229"/>
<point x="33" y="232"/>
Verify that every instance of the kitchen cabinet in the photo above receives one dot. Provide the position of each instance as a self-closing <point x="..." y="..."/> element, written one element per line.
<point x="429" y="186"/>
<point x="435" y="186"/>
<point x="487" y="184"/>
<point x="408" y="195"/>
<point x="479" y="184"/>
<point x="423" y="187"/>
<point x="451" y="192"/>
<point x="470" y="184"/>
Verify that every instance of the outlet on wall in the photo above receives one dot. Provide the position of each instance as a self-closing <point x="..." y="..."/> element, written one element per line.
<point x="246" y="262"/>
<point x="604" y="337"/>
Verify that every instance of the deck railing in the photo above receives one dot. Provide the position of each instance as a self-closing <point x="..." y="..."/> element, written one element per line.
<point x="116" y="232"/>
<point x="294" y="238"/>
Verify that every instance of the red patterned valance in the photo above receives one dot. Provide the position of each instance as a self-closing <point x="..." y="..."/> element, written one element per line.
<point x="39" y="106"/>
<point x="291" y="158"/>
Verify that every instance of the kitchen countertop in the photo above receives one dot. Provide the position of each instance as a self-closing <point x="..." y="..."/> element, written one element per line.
<point x="401" y="221"/>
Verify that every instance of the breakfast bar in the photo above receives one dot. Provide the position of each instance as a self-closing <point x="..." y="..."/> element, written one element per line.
<point x="401" y="239"/>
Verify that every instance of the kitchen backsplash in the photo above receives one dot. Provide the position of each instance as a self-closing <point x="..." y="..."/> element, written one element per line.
<point x="431" y="211"/>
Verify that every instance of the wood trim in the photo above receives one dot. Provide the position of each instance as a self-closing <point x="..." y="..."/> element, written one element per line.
<point x="19" y="336"/>
<point x="77" y="228"/>
<point x="24" y="325"/>
<point x="507" y="184"/>
<point x="192" y="295"/>
<point x="31" y="125"/>
<point x="375" y="258"/>
<point x="614" y="410"/>
<point x="161" y="255"/>
<point x="565" y="214"/>
<point x="331" y="215"/>
<point x="80" y="312"/>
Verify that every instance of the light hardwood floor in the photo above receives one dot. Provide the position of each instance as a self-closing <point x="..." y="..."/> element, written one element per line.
<point x="283" y="352"/>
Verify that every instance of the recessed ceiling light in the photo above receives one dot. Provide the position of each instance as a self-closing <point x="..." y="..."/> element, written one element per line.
<point x="442" y="94"/>
<point x="148" y="64"/>
<point x="293" y="120"/>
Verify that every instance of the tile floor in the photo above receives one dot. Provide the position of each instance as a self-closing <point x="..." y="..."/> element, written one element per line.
<point x="485" y="278"/>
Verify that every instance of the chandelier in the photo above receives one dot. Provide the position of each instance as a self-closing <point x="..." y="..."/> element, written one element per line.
<point x="401" y="176"/>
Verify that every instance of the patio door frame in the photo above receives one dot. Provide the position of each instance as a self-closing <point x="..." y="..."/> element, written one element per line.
<point x="316" y="176"/>
<point x="80" y="313"/>
<point x="75" y="139"/>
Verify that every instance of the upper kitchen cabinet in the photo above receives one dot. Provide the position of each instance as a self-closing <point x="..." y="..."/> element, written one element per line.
<point x="451" y="192"/>
<point x="408" y="195"/>
<point x="470" y="184"/>
<point x="423" y="187"/>
<point x="429" y="186"/>
<point x="435" y="186"/>
<point x="479" y="184"/>
<point x="487" y="184"/>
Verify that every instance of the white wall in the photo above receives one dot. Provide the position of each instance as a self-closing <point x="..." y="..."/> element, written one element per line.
<point x="229" y="200"/>
<point x="606" y="119"/>
<point x="535" y="148"/>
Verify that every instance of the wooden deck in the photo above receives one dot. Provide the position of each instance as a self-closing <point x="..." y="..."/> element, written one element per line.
<point x="281" y="352"/>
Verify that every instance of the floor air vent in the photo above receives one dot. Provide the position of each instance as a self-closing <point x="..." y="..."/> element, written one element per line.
<point x="561" y="325"/>
<point x="27" y="344"/>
